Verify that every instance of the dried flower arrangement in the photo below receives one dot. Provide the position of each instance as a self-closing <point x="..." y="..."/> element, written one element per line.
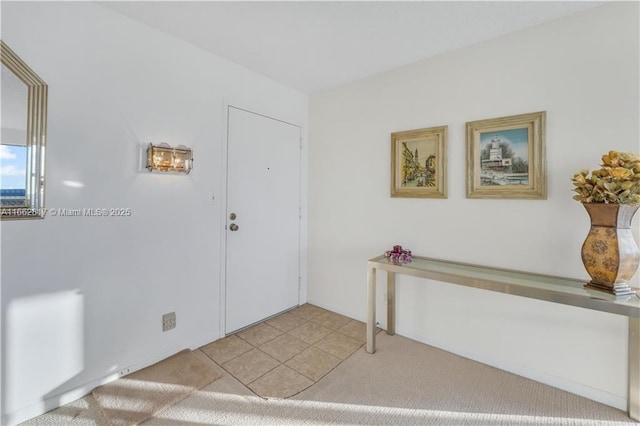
<point x="616" y="182"/>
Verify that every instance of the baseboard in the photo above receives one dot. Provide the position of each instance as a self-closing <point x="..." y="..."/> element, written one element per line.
<point x="349" y="314"/>
<point x="51" y="403"/>
<point x="58" y="400"/>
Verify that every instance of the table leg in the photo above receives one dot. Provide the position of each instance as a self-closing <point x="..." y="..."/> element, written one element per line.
<point x="371" y="311"/>
<point x="633" y="393"/>
<point x="391" y="303"/>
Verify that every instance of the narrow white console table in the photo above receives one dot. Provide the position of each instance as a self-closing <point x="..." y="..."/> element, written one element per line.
<point x="565" y="291"/>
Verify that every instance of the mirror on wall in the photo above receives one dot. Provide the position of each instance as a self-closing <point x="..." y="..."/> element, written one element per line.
<point x="22" y="138"/>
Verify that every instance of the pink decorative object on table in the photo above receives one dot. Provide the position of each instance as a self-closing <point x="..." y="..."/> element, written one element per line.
<point x="398" y="255"/>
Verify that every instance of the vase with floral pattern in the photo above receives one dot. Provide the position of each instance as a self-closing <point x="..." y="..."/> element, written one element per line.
<point x="610" y="253"/>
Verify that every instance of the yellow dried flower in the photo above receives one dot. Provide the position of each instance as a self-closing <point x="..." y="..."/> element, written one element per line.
<point x="611" y="159"/>
<point x="620" y="173"/>
<point x="579" y="178"/>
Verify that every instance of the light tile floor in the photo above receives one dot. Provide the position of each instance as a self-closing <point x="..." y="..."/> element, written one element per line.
<point x="284" y="355"/>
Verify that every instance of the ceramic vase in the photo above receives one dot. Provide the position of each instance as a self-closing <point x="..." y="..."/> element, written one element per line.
<point x="610" y="253"/>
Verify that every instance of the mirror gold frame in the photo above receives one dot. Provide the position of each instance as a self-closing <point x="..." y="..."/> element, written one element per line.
<point x="33" y="206"/>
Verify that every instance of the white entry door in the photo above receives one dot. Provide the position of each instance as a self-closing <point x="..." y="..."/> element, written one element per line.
<point x="263" y="218"/>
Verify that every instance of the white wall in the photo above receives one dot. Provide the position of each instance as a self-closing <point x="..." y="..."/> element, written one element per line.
<point x="583" y="70"/>
<point x="82" y="297"/>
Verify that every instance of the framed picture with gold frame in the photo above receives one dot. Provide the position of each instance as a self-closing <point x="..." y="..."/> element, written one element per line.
<point x="419" y="162"/>
<point x="506" y="157"/>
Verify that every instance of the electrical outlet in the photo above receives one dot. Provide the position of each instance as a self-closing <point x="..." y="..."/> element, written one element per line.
<point x="169" y="321"/>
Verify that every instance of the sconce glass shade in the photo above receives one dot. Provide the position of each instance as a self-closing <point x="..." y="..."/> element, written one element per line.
<point x="165" y="158"/>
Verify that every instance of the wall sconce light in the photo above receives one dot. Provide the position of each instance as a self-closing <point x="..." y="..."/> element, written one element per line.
<point x="165" y="158"/>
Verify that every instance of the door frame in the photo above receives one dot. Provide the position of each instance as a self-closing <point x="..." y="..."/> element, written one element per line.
<point x="302" y="266"/>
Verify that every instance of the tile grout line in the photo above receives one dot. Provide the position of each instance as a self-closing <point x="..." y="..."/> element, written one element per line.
<point x="334" y="367"/>
<point x="258" y="348"/>
<point x="305" y="320"/>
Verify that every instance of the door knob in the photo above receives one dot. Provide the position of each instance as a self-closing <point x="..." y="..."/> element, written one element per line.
<point x="234" y="227"/>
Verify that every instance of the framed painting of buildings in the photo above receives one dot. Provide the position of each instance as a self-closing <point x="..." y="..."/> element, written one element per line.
<point x="506" y="157"/>
<point x="418" y="163"/>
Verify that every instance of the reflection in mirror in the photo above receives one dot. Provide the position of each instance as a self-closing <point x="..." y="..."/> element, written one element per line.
<point x="13" y="150"/>
<point x="22" y="139"/>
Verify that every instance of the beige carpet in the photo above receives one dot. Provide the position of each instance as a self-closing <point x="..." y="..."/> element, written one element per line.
<point x="420" y="384"/>
<point x="137" y="397"/>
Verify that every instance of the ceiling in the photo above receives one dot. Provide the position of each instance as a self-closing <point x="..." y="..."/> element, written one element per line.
<point x="312" y="46"/>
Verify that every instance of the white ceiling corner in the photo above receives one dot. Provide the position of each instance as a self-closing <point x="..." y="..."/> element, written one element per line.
<point x="312" y="46"/>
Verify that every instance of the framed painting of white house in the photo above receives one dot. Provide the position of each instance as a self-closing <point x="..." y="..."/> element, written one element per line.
<point x="506" y="157"/>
